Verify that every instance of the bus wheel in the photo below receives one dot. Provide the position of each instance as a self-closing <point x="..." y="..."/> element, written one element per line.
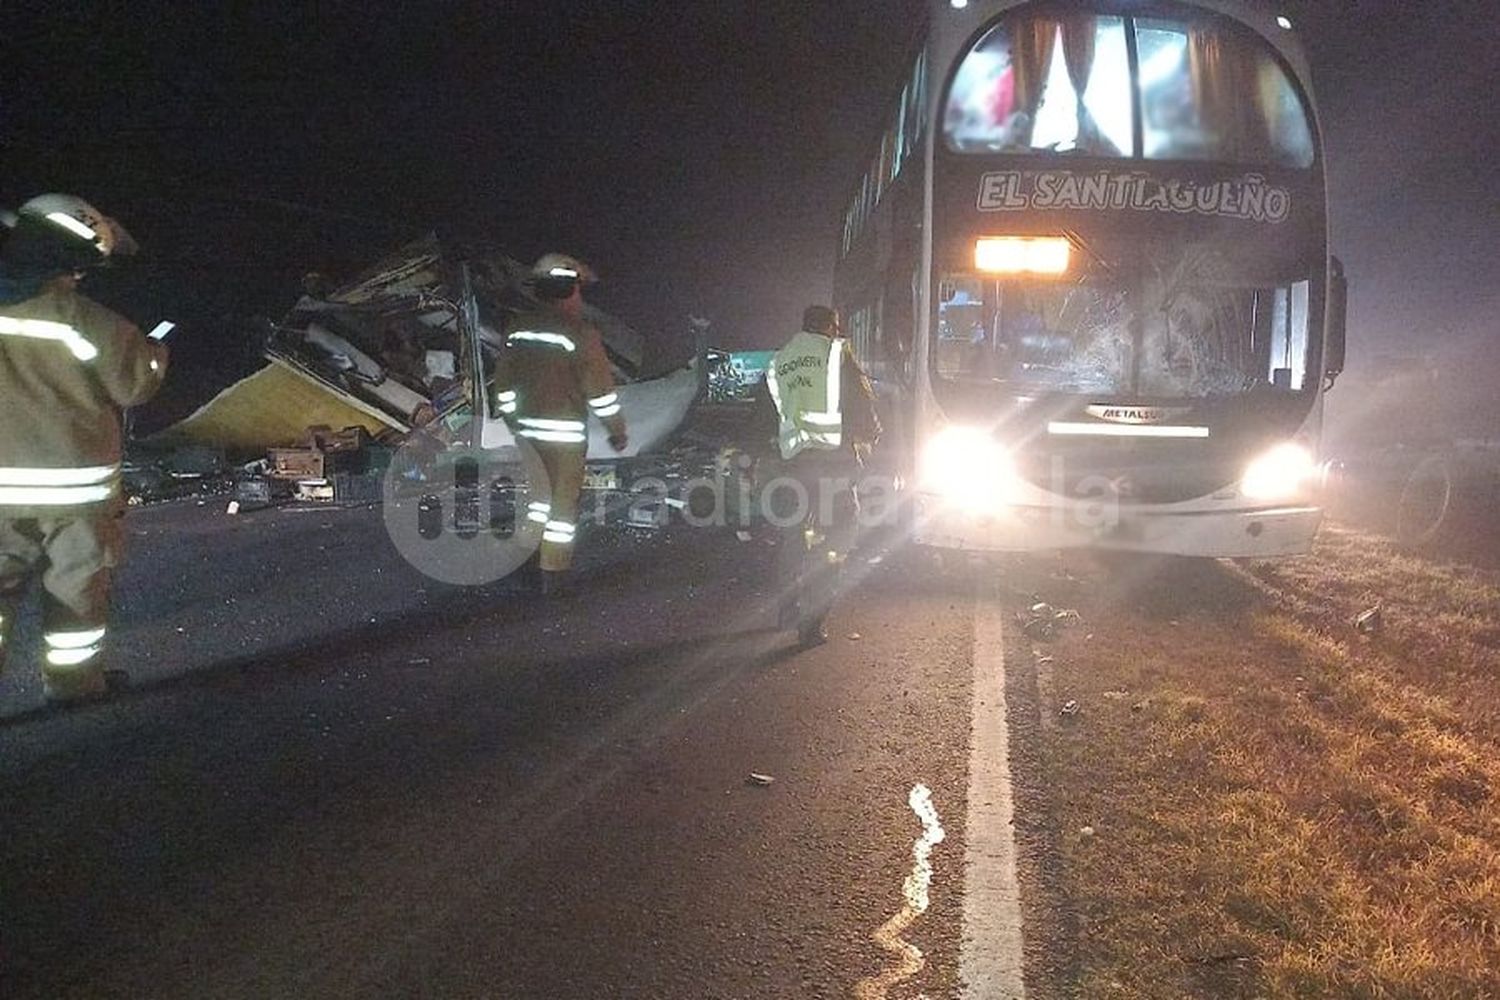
<point x="1425" y="502"/>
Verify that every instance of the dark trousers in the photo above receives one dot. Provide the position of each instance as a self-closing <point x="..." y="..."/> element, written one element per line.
<point x="814" y="548"/>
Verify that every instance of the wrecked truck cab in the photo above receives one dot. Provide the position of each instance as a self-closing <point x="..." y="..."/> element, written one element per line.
<point x="396" y="351"/>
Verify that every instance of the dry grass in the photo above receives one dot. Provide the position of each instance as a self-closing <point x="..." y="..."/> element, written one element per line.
<point x="1280" y="807"/>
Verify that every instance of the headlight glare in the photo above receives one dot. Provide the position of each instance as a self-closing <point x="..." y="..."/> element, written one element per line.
<point x="1279" y="474"/>
<point x="969" y="468"/>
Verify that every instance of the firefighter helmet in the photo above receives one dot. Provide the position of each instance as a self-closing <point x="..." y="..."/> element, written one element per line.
<point x="560" y="266"/>
<point x="76" y="221"/>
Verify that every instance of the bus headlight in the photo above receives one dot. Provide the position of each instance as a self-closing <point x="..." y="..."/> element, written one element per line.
<point x="1279" y="474"/>
<point x="969" y="468"/>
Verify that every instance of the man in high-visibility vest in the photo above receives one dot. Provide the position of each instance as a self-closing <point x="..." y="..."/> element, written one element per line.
<point x="68" y="367"/>
<point x="551" y="375"/>
<point x="826" y="425"/>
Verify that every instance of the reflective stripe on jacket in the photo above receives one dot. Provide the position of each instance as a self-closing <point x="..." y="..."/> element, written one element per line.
<point x="68" y="366"/>
<point x="551" y="375"/>
<point x="805" y="379"/>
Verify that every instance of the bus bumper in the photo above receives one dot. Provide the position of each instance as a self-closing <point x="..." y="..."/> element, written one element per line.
<point x="1279" y="531"/>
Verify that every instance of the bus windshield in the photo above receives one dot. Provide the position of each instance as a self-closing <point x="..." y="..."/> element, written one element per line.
<point x="1202" y="90"/>
<point x="1148" y="337"/>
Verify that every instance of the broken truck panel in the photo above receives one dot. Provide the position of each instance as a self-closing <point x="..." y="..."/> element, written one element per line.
<point x="273" y="408"/>
<point x="387" y="352"/>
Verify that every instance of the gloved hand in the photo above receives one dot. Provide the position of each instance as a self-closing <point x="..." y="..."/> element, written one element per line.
<point x="619" y="442"/>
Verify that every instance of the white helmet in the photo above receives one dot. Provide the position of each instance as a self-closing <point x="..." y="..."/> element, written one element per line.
<point x="75" y="217"/>
<point x="560" y="265"/>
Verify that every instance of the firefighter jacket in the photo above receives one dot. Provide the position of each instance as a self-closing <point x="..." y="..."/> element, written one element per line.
<point x="823" y="399"/>
<point x="551" y="374"/>
<point x="68" y="366"/>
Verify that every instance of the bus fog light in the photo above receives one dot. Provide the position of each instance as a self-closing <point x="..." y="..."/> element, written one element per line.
<point x="968" y="468"/>
<point x="1279" y="474"/>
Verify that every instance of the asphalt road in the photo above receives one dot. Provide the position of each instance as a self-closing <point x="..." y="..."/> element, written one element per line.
<point x="336" y="778"/>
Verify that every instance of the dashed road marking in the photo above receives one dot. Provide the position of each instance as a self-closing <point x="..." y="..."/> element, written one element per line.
<point x="990" y="956"/>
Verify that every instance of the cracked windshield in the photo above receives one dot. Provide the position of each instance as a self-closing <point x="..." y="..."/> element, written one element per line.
<point x="1162" y="335"/>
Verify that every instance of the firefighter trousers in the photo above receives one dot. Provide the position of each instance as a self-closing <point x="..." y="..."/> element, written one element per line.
<point x="554" y="502"/>
<point x="73" y="555"/>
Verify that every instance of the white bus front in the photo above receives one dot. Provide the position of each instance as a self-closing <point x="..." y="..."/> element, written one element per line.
<point x="1130" y="313"/>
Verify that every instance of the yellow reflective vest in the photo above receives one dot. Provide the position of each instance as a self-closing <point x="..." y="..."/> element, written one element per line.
<point x="805" y="379"/>
<point x="68" y="366"/>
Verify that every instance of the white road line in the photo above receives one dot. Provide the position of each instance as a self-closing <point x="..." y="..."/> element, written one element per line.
<point x="909" y="958"/>
<point x="990" y="956"/>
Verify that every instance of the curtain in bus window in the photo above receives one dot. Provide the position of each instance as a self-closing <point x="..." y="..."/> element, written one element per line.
<point x="1086" y="104"/>
<point x="1228" y="96"/>
<point x="1078" y="56"/>
<point x="1032" y="58"/>
<point x="1045" y="83"/>
<point x="1212" y="94"/>
<point x="1288" y="129"/>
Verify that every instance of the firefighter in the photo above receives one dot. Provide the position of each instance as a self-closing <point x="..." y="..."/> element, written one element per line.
<point x="68" y="367"/>
<point x="826" y="425"/>
<point x="552" y="374"/>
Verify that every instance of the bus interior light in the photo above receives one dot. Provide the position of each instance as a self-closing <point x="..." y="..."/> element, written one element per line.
<point x="1023" y="254"/>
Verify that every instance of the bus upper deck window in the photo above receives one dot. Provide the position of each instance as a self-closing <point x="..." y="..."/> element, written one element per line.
<point x="1209" y="94"/>
<point x="1061" y="83"/>
<point x="1045" y="84"/>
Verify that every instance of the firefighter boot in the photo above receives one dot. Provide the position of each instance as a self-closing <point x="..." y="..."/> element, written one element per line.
<point x="74" y="670"/>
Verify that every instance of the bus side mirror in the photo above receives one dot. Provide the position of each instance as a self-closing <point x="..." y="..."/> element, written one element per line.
<point x="1338" y="316"/>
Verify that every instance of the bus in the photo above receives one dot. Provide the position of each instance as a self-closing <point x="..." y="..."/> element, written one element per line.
<point x="1087" y="269"/>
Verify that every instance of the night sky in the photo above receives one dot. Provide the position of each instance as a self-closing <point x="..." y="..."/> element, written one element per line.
<point x="697" y="153"/>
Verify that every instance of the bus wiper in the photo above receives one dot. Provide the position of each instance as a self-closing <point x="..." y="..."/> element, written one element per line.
<point x="1078" y="241"/>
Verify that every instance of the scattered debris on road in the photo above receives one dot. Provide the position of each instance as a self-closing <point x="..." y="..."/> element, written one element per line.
<point x="1370" y="621"/>
<point x="1071" y="707"/>
<point x="759" y="779"/>
<point x="1042" y="621"/>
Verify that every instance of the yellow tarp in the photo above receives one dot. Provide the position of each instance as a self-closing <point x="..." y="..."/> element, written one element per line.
<point x="271" y="409"/>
